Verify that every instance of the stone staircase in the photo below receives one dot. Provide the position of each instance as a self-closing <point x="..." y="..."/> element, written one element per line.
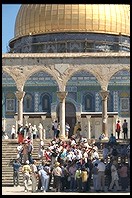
<point x="9" y="153"/>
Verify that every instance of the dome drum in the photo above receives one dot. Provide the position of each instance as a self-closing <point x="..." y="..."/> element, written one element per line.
<point x="56" y="28"/>
<point x="70" y="42"/>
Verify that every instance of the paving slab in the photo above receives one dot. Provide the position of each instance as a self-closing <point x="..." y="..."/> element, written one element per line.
<point x="20" y="191"/>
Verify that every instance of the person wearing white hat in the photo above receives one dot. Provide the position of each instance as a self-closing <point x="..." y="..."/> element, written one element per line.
<point x="57" y="173"/>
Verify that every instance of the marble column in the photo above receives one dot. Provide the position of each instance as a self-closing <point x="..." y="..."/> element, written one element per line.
<point x="115" y="118"/>
<point x="16" y="119"/>
<point x="20" y="96"/>
<point x="3" y="105"/>
<point x="89" y="132"/>
<point x="104" y="94"/>
<point x="62" y="96"/>
<point x="3" y="113"/>
<point x="26" y="119"/>
<point x="4" y="123"/>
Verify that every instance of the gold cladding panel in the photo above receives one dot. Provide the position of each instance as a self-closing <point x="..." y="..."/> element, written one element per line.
<point x="42" y="18"/>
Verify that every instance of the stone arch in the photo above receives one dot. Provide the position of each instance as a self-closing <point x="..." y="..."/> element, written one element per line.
<point x="72" y="71"/>
<point x="87" y="78"/>
<point x="41" y="78"/>
<point x="38" y="69"/>
<point x="5" y="75"/>
<point x="121" y="94"/>
<point x="8" y="79"/>
<point x="116" y="70"/>
<point x="98" y="71"/>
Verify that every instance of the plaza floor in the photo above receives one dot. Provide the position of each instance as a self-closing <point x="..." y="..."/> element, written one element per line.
<point x="20" y="191"/>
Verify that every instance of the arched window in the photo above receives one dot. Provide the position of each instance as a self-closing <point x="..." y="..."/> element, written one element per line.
<point x="88" y="103"/>
<point x="46" y="103"/>
<point x="10" y="102"/>
<point x="28" y="103"/>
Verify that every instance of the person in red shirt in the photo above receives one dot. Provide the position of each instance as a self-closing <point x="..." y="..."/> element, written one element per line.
<point x="118" y="129"/>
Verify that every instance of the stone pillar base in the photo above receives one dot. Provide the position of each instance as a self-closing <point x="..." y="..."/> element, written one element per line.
<point x="62" y="137"/>
<point x="106" y="138"/>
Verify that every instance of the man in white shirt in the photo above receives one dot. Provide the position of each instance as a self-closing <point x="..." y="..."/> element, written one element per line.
<point x="101" y="175"/>
<point x="20" y="152"/>
<point x="95" y="154"/>
<point x="34" y="176"/>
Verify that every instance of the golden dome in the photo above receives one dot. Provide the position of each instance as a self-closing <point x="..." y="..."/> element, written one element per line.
<point x="33" y="19"/>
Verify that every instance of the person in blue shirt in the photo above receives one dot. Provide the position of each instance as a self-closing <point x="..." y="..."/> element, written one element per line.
<point x="112" y="139"/>
<point x="16" y="166"/>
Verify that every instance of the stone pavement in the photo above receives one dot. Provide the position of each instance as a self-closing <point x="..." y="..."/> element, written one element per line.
<point x="20" y="191"/>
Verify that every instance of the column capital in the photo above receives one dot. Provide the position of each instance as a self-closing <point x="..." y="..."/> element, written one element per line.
<point x="20" y="94"/>
<point x="88" y="117"/>
<point x="115" y="116"/>
<point x="53" y="116"/>
<point x="61" y="95"/>
<point x="16" y="117"/>
<point x="43" y="117"/>
<point x="104" y="94"/>
<point x="26" y="117"/>
<point x="78" y="116"/>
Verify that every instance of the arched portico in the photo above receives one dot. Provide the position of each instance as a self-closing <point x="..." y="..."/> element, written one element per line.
<point x="62" y="67"/>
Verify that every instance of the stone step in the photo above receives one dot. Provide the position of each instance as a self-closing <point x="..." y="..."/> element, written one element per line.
<point x="9" y="152"/>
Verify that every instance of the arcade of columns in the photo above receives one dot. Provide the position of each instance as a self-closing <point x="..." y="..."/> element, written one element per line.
<point x="62" y="67"/>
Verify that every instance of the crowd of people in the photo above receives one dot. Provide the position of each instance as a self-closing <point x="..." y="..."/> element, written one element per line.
<point x="73" y="165"/>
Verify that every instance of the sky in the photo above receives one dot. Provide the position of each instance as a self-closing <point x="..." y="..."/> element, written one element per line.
<point x="9" y="13"/>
